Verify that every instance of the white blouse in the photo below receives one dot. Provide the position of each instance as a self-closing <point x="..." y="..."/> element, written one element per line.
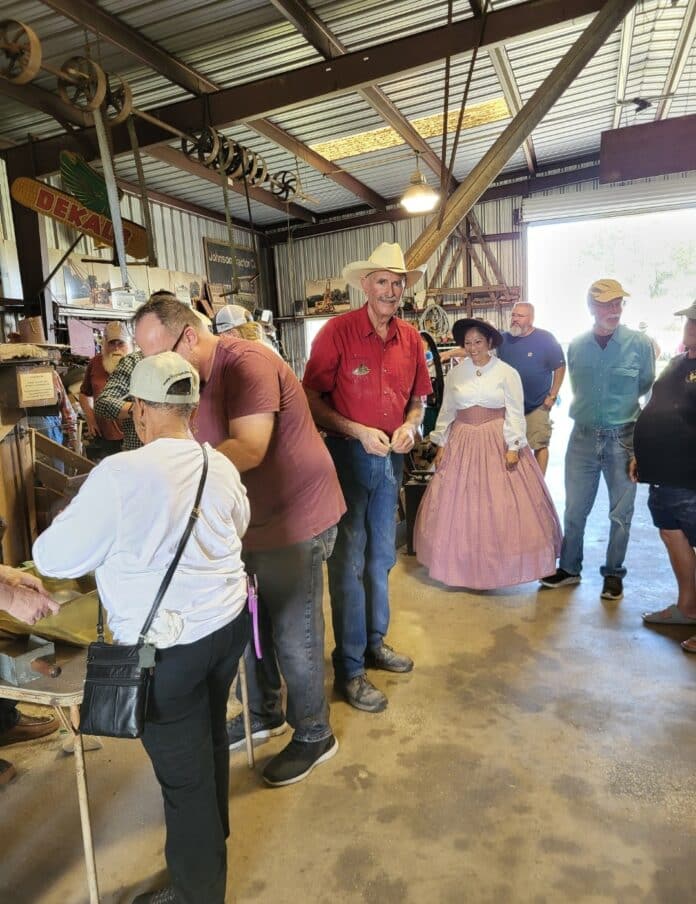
<point x="495" y="385"/>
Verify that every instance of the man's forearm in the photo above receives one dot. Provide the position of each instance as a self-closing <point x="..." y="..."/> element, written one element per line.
<point x="415" y="413"/>
<point x="557" y="382"/>
<point x="327" y="418"/>
<point x="239" y="454"/>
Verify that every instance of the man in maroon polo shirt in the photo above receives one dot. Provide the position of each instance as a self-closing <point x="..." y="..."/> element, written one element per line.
<point x="253" y="410"/>
<point x="366" y="380"/>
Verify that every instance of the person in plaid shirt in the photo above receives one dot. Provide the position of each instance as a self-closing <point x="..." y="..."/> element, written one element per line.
<point x="115" y="403"/>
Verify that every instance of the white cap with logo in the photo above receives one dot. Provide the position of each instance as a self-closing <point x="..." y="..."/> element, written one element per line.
<point x="154" y="378"/>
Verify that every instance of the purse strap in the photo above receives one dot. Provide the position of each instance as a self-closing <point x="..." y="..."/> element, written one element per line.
<point x="167" y="579"/>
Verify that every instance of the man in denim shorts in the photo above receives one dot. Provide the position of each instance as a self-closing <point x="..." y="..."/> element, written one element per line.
<point x="664" y="440"/>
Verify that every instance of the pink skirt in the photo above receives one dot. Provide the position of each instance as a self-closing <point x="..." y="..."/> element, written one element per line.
<point x="479" y="525"/>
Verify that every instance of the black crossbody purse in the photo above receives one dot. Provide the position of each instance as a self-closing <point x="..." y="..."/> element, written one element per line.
<point x="117" y="683"/>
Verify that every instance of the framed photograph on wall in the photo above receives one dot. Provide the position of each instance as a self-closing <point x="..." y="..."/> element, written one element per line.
<point x="232" y="272"/>
<point x="326" y="296"/>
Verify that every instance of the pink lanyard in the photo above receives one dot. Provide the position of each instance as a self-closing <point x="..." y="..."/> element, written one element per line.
<point x="253" y="600"/>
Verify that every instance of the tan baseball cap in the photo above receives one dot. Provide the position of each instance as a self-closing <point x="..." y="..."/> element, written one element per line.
<point x="153" y="378"/>
<point x="605" y="290"/>
<point x="689" y="312"/>
<point x="116" y="330"/>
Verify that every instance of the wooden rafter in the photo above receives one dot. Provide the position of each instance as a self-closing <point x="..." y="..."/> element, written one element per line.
<point x="522" y="125"/>
<point x="121" y="35"/>
<point x="412" y="53"/>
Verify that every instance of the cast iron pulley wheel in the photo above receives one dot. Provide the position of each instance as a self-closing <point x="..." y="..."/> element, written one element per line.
<point x="284" y="185"/>
<point x="20" y="52"/>
<point x="119" y="101"/>
<point x="225" y="154"/>
<point x="259" y="173"/>
<point x="82" y="83"/>
<point x="237" y="157"/>
<point x="203" y="144"/>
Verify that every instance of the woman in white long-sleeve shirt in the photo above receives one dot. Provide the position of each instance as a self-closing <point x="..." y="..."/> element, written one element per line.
<point x="125" y="525"/>
<point x="486" y="519"/>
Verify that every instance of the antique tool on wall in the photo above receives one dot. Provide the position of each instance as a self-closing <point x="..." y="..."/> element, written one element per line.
<point x="21" y="664"/>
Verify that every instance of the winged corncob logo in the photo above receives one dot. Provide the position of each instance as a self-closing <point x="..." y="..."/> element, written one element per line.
<point x="86" y="209"/>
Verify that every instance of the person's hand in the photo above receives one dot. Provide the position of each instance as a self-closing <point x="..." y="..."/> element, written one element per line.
<point x="548" y="403"/>
<point x="511" y="459"/>
<point x="24" y="596"/>
<point x="404" y="437"/>
<point x="374" y="441"/>
<point x="633" y="470"/>
<point x="93" y="428"/>
<point x="438" y="456"/>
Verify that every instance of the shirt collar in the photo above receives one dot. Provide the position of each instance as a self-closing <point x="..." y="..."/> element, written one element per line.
<point x="367" y="329"/>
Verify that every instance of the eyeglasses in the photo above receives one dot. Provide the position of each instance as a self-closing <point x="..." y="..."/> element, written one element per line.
<point x="181" y="336"/>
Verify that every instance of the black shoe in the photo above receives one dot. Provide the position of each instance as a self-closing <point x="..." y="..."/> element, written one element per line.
<point x="261" y="729"/>
<point x="362" y="694"/>
<point x="383" y="657"/>
<point x="613" y="588"/>
<point x="562" y="578"/>
<point x="297" y="760"/>
<point x="163" y="896"/>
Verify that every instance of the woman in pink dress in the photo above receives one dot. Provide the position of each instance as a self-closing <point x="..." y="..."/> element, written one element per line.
<point x="486" y="519"/>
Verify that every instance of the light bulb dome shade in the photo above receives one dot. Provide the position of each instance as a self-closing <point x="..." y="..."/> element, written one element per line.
<point x="419" y="197"/>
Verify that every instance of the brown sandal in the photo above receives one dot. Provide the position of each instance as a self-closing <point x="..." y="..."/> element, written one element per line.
<point x="689" y="645"/>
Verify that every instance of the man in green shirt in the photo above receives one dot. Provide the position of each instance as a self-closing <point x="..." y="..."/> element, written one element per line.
<point x="610" y="368"/>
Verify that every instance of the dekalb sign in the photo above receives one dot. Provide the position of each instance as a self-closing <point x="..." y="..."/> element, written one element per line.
<point x="66" y="209"/>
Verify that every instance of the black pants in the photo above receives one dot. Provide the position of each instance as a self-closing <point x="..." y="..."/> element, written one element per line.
<point x="186" y="739"/>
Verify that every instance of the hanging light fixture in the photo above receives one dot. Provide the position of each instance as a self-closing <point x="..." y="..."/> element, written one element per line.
<point x="419" y="197"/>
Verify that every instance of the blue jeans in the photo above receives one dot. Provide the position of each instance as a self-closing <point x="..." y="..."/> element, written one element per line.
<point x="593" y="452"/>
<point x="364" y="554"/>
<point x="291" y="630"/>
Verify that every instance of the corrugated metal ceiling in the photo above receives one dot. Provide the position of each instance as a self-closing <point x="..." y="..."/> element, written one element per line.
<point x="232" y="42"/>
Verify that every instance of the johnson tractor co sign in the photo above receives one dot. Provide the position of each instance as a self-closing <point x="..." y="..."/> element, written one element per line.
<point x="68" y="210"/>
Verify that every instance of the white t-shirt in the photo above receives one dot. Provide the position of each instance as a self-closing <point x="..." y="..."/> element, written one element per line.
<point x="495" y="385"/>
<point x="125" y="525"/>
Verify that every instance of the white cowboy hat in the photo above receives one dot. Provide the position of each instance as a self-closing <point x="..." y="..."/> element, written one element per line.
<point x="384" y="257"/>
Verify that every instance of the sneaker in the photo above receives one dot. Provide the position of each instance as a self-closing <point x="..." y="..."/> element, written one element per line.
<point x="383" y="657"/>
<point x="7" y="772"/>
<point x="261" y="729"/>
<point x="297" y="760"/>
<point x="28" y="728"/>
<point x="612" y="588"/>
<point x="362" y="694"/>
<point x="163" y="896"/>
<point x="562" y="578"/>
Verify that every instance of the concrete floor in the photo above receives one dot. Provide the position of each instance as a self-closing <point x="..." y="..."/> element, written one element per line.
<point x="541" y="752"/>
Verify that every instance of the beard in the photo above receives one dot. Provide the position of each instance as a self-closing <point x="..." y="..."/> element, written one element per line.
<point x="515" y="330"/>
<point x="111" y="360"/>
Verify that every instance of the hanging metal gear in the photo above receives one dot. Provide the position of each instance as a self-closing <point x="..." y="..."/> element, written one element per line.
<point x="20" y="52"/>
<point x="82" y="83"/>
<point x="284" y="185"/>
<point x="118" y="103"/>
<point x="202" y="144"/>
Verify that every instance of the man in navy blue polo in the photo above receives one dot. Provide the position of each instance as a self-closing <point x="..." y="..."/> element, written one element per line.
<point x="538" y="358"/>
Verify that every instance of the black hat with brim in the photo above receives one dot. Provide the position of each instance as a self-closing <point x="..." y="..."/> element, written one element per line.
<point x="460" y="328"/>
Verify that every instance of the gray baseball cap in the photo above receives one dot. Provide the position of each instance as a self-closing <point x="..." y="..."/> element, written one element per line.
<point x="153" y="378"/>
<point x="689" y="312"/>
